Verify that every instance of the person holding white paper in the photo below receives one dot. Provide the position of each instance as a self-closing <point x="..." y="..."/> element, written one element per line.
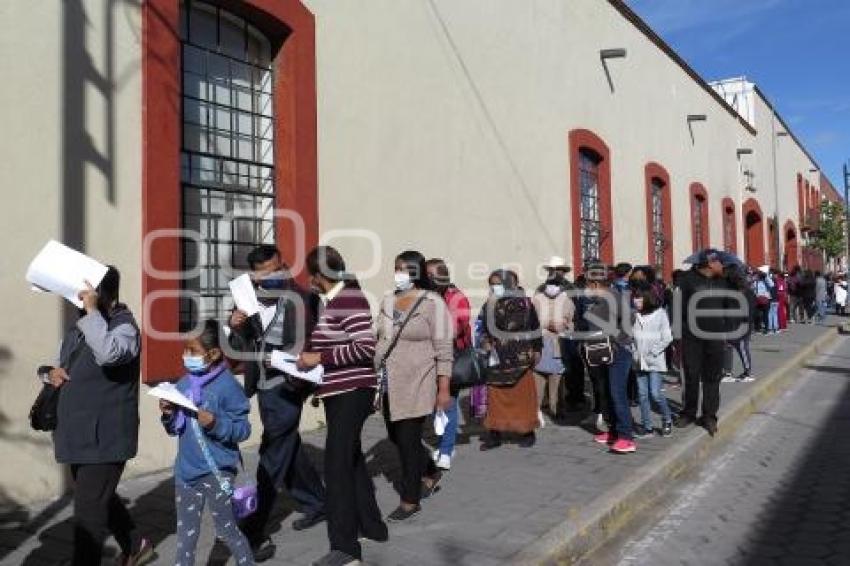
<point x="343" y="343"/>
<point x="98" y="419"/>
<point x="206" y="438"/>
<point x="283" y="461"/>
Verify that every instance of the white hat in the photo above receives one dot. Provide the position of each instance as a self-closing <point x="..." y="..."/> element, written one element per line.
<point x="557" y="262"/>
<point x="765" y="269"/>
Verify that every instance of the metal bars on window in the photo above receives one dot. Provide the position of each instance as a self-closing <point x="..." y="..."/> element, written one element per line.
<point x="659" y="241"/>
<point x="227" y="157"/>
<point x="590" y="216"/>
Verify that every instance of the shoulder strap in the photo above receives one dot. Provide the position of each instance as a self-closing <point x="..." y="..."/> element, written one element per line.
<point x="223" y="482"/>
<point x="401" y="328"/>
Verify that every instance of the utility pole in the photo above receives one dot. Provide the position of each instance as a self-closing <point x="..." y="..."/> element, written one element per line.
<point x="847" y="216"/>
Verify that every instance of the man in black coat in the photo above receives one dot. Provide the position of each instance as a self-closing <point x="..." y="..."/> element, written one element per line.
<point x="704" y="289"/>
<point x="284" y="462"/>
<point x="97" y="426"/>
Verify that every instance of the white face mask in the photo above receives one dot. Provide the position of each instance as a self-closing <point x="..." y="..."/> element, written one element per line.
<point x="497" y="290"/>
<point x="402" y="281"/>
<point x="638" y="302"/>
<point x="552" y="291"/>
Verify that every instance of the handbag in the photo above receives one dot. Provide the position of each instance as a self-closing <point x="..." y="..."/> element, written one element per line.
<point x="467" y="369"/>
<point x="383" y="375"/>
<point x="502" y="376"/>
<point x="243" y="498"/>
<point x="44" y="413"/>
<point x="598" y="352"/>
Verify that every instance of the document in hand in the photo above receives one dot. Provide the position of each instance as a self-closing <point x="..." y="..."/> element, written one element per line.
<point x="244" y="295"/>
<point x="61" y="270"/>
<point x="286" y="363"/>
<point x="171" y="394"/>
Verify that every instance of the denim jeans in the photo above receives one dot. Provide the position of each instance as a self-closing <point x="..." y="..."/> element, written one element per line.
<point x="618" y="378"/>
<point x="447" y="441"/>
<point x="773" y="317"/>
<point x="649" y="385"/>
<point x="821" y="312"/>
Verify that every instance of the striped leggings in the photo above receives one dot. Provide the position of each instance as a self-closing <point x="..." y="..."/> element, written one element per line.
<point x="190" y="501"/>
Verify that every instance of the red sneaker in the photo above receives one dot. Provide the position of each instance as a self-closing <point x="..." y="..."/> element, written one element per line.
<point x="603" y="438"/>
<point x="623" y="446"/>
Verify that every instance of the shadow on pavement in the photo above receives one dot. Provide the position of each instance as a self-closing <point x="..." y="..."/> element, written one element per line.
<point x="808" y="520"/>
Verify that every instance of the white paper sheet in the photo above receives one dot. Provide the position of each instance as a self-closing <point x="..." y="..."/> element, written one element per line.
<point x="244" y="295"/>
<point x="286" y="363"/>
<point x="171" y="394"/>
<point x="441" y="420"/>
<point x="61" y="270"/>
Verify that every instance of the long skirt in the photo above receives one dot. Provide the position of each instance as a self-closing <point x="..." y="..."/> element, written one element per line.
<point x="514" y="408"/>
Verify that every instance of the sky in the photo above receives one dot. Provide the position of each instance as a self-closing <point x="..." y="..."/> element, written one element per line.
<point x="796" y="51"/>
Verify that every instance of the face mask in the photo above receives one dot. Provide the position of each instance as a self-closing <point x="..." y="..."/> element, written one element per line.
<point x="638" y="304"/>
<point x="273" y="281"/>
<point x="552" y="290"/>
<point x="194" y="364"/>
<point x="497" y="290"/>
<point x="402" y="281"/>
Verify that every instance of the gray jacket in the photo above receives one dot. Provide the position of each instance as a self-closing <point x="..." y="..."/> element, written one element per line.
<point x="652" y="335"/>
<point x="98" y="414"/>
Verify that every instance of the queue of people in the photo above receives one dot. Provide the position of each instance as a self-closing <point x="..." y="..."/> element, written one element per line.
<point x="611" y="327"/>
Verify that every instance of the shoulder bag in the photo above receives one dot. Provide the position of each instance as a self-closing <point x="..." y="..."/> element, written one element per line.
<point x="382" y="365"/>
<point x="44" y="412"/>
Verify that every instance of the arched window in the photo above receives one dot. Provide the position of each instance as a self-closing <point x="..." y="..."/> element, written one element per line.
<point x="753" y="232"/>
<point x="730" y="235"/>
<point x="659" y="219"/>
<point x="227" y="157"/>
<point x="699" y="217"/>
<point x="591" y="199"/>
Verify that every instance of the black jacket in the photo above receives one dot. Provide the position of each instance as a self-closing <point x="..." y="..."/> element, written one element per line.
<point x="98" y="414"/>
<point x="717" y="297"/>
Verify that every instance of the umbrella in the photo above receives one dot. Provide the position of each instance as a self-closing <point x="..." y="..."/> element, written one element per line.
<point x="726" y="258"/>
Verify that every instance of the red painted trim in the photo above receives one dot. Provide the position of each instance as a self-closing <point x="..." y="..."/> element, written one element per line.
<point x="586" y="139"/>
<point x="290" y="27"/>
<point x="753" y="235"/>
<point x="727" y="206"/>
<point x="697" y="191"/>
<point x="652" y="171"/>
<point x="772" y="252"/>
<point x="801" y="200"/>
<point x="792" y="245"/>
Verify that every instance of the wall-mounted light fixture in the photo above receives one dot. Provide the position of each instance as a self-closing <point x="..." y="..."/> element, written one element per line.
<point x="612" y="53"/>
<point x="697" y="118"/>
<point x="743" y="151"/>
<point x="814" y="170"/>
<point x="781" y="134"/>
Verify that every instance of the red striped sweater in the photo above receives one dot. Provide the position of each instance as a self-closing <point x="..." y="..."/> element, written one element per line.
<point x="344" y="337"/>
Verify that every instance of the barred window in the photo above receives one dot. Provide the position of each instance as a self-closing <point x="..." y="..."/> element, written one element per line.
<point x="591" y="224"/>
<point x="659" y="242"/>
<point x="728" y="229"/>
<point x="227" y="159"/>
<point x="698" y="212"/>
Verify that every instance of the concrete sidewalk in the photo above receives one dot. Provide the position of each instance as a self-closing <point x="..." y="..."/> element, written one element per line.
<point x="511" y="505"/>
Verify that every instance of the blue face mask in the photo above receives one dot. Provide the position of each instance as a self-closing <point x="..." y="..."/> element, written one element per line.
<point x="273" y="281"/>
<point x="194" y="364"/>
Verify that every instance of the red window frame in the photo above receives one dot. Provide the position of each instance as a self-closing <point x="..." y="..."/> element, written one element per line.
<point x="578" y="139"/>
<point x="730" y="236"/>
<point x="653" y="171"/>
<point x="698" y="192"/>
<point x="290" y="27"/>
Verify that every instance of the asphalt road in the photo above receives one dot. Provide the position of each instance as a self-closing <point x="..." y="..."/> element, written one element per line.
<point x="778" y="494"/>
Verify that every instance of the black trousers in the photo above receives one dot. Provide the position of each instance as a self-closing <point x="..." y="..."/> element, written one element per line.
<point x="601" y="391"/>
<point x="351" y="506"/>
<point x="99" y="512"/>
<point x="703" y="361"/>
<point x="574" y="377"/>
<point x="416" y="463"/>
<point x="283" y="462"/>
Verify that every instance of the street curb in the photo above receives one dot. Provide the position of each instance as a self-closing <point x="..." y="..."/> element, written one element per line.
<point x="588" y="527"/>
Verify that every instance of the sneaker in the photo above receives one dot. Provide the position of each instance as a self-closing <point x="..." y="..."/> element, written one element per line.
<point x="429" y="490"/>
<point x="401" y="514"/>
<point x="263" y="550"/>
<point x="435" y="455"/>
<point x="336" y="558"/>
<point x="746" y="378"/>
<point x="667" y="429"/>
<point x="727" y="378"/>
<point x="643" y="432"/>
<point x="142" y="556"/>
<point x="541" y="419"/>
<point x="603" y="438"/>
<point x="623" y="446"/>
<point x="601" y="425"/>
<point x="444" y="462"/>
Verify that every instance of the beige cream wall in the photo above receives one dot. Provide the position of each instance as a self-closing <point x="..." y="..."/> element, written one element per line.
<point x="444" y="127"/>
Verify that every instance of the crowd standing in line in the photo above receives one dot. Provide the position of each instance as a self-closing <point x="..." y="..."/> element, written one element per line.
<point x="611" y="327"/>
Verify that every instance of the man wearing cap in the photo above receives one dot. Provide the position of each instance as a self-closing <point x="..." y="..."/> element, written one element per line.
<point x="703" y="289"/>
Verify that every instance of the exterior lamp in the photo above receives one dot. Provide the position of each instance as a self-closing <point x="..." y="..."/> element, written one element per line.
<point x="697" y="118"/>
<point x="612" y="53"/>
<point x="743" y="151"/>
